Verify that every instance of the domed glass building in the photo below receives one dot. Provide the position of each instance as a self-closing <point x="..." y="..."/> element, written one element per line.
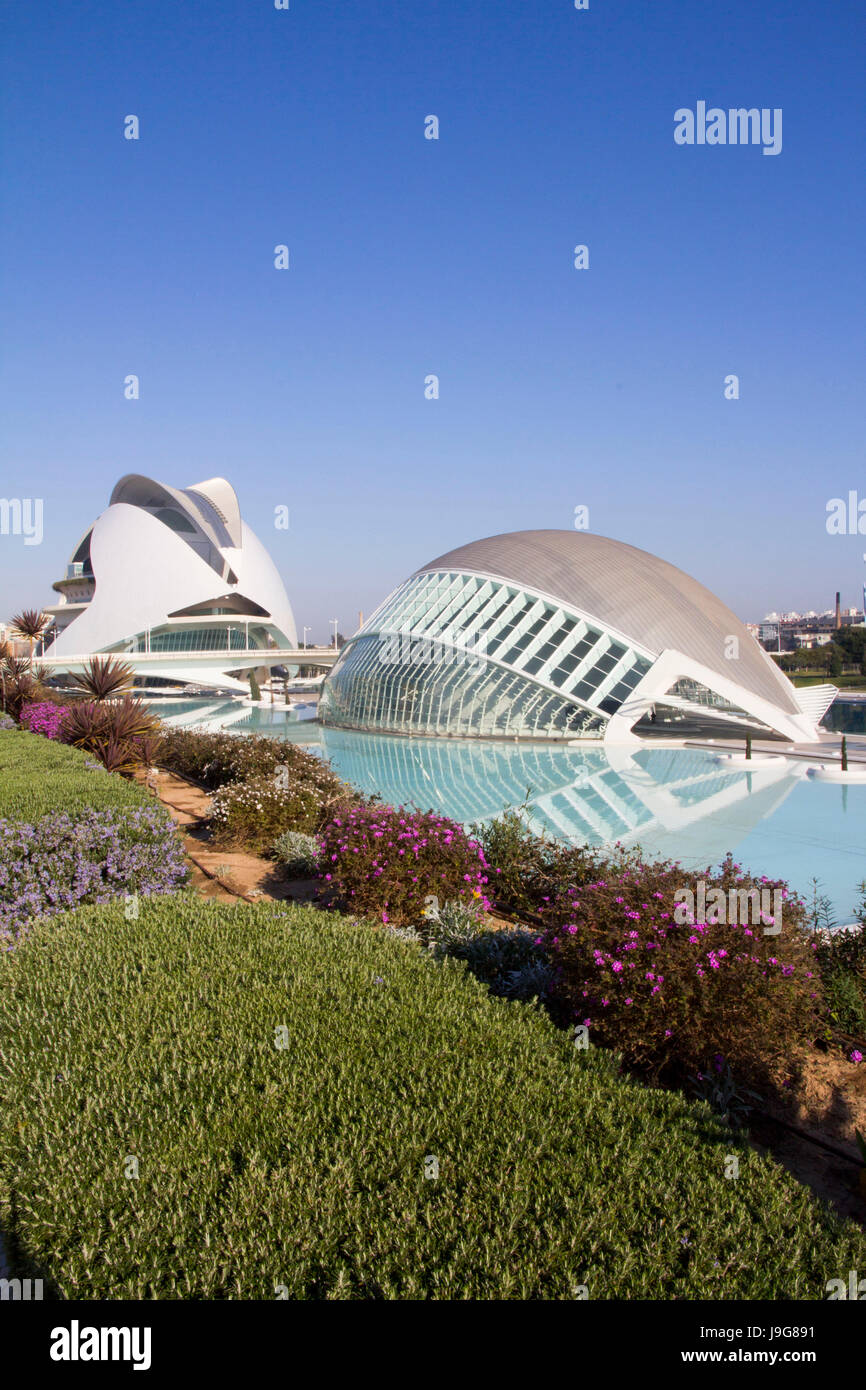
<point x="561" y="635"/>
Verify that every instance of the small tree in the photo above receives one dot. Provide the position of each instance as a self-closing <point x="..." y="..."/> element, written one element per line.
<point x="844" y="754"/>
<point x="748" y="744"/>
<point x="30" y="624"/>
<point x="255" y="693"/>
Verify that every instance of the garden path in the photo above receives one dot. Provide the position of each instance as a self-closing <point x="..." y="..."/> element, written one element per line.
<point x="220" y="873"/>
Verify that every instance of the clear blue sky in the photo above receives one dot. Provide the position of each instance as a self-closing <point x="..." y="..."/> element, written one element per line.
<point x="558" y="387"/>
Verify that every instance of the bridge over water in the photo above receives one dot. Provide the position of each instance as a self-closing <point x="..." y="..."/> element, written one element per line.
<point x="207" y="668"/>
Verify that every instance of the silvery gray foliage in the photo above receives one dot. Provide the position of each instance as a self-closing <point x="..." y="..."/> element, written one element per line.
<point x="298" y="853"/>
<point x="509" y="961"/>
<point x="7" y="722"/>
<point x="531" y="981"/>
<point x="453" y="922"/>
<point x="405" y="934"/>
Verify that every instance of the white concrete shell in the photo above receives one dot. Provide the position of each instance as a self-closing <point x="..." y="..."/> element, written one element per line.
<point x="176" y="570"/>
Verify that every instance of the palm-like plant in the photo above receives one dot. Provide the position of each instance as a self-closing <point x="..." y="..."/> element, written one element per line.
<point x="131" y="719"/>
<point x="117" y="733"/>
<point x="29" y="624"/>
<point x="102" y="678"/>
<point x="17" y="668"/>
<point x="16" y="684"/>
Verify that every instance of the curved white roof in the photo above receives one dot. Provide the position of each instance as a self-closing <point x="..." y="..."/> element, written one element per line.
<point x="646" y="599"/>
<point x="146" y="569"/>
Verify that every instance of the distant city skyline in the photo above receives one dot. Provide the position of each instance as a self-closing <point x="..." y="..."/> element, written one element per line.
<point x="583" y="288"/>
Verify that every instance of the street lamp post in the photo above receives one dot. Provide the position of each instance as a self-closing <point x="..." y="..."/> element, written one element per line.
<point x="335" y="622"/>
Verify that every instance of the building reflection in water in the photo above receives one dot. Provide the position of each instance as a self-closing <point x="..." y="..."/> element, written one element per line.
<point x="677" y="802"/>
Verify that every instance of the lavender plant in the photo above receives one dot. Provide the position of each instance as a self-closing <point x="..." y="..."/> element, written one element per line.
<point x="62" y="861"/>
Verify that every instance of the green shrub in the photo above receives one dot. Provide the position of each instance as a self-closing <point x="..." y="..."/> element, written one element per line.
<point x="526" y="868"/>
<point x="841" y="957"/>
<point x="216" y="759"/>
<point x="254" y="813"/>
<point x="303" y="1165"/>
<point x="846" y="1000"/>
<point x="38" y="775"/>
<point x="297" y="853"/>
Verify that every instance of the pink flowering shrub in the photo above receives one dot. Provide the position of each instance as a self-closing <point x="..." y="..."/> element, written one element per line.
<point x="387" y="862"/>
<point x="671" y="994"/>
<point x="44" y="718"/>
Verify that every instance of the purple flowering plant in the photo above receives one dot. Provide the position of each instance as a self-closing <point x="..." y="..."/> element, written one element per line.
<point x="387" y="861"/>
<point x="44" y="717"/>
<point x="671" y="994"/>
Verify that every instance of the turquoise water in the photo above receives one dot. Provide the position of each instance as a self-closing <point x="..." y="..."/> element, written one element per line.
<point x="679" y="803"/>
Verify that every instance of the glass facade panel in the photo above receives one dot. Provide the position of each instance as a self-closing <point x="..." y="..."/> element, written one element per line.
<point x="203" y="639"/>
<point x="458" y="654"/>
<point x="698" y="694"/>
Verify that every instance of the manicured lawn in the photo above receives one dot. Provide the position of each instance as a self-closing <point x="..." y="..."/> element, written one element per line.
<point x="303" y="1166"/>
<point x="843" y="682"/>
<point x="38" y="775"/>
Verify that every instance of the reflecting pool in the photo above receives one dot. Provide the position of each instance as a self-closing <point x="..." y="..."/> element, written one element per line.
<point x="679" y="803"/>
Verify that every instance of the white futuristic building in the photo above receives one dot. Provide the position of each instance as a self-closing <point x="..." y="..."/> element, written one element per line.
<point x="561" y="634"/>
<point x="174" y="582"/>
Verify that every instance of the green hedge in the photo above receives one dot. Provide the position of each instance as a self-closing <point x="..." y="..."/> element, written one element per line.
<point x="304" y="1167"/>
<point x="38" y="776"/>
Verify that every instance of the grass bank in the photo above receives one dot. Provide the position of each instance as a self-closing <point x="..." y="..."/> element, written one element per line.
<point x="38" y="776"/>
<point x="404" y="1136"/>
<point x="843" y="682"/>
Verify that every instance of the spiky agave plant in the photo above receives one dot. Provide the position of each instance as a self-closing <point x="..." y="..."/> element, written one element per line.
<point x="16" y="667"/>
<point x="85" y="725"/>
<point x="131" y="719"/>
<point x="148" y="747"/>
<point x="17" y="684"/>
<point x="112" y="731"/>
<point x="103" y="678"/>
<point x="119" y="755"/>
<point x="29" y="624"/>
